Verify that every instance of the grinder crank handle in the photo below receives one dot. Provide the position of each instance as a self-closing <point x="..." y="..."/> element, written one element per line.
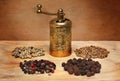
<point x="39" y="10"/>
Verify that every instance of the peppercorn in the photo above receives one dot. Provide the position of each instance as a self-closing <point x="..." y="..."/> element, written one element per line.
<point x="92" y="52"/>
<point x="82" y="67"/>
<point x="27" y="52"/>
<point x="34" y="66"/>
<point x="63" y="64"/>
<point x="70" y="70"/>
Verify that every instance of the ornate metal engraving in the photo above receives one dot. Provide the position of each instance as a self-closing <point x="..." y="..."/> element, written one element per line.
<point x="60" y="38"/>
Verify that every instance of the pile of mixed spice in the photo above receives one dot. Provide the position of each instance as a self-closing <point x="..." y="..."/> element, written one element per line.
<point x="27" y="52"/>
<point x="37" y="66"/>
<point x="91" y="52"/>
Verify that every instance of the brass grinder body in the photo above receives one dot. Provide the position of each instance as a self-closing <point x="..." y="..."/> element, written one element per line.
<point x="60" y="34"/>
<point x="60" y="38"/>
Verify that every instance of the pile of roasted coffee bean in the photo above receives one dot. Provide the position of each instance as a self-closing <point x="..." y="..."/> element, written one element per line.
<point x="82" y="67"/>
<point x="37" y="66"/>
<point x="91" y="52"/>
<point x="27" y="52"/>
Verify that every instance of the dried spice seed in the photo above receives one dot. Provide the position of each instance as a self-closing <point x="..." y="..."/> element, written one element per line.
<point x="27" y="52"/>
<point x="63" y="64"/>
<point x="91" y="52"/>
<point x="70" y="70"/>
<point x="34" y="66"/>
<point x="82" y="67"/>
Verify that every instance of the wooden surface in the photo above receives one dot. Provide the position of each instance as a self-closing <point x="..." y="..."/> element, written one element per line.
<point x="91" y="19"/>
<point x="10" y="70"/>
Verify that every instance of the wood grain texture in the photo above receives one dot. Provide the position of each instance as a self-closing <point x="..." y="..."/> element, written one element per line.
<point x="91" y="19"/>
<point x="10" y="70"/>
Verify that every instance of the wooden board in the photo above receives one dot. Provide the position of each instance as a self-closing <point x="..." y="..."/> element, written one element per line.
<point x="10" y="70"/>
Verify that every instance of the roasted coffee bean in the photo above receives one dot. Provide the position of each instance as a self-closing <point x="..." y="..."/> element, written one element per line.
<point x="82" y="67"/>
<point x="34" y="66"/>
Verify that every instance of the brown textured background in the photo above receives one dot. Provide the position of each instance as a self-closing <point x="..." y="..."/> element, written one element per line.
<point x="92" y="19"/>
